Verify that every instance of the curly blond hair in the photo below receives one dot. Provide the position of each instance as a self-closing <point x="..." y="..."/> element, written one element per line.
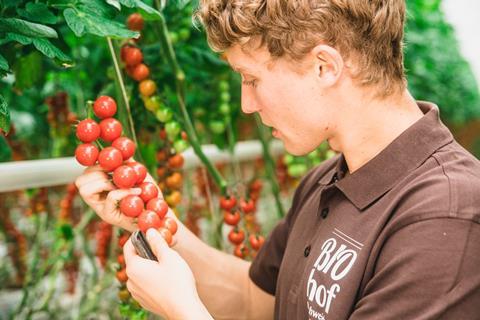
<point x="371" y="31"/>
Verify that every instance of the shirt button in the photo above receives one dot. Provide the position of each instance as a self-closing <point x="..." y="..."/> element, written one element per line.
<point x="324" y="213"/>
<point x="335" y="177"/>
<point x="306" y="252"/>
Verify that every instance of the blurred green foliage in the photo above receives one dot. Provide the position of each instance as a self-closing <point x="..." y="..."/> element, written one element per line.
<point x="436" y="70"/>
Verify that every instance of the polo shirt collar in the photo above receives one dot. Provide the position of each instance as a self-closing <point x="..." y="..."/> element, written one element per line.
<point x="404" y="154"/>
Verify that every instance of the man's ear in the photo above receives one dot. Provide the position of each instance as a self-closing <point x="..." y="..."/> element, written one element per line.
<point x="328" y="64"/>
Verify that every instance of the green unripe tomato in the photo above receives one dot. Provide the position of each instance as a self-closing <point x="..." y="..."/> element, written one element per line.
<point x="288" y="159"/>
<point x="223" y="85"/>
<point x="173" y="129"/>
<point x="297" y="170"/>
<point x="225" y="96"/>
<point x="314" y="154"/>
<point x="173" y="37"/>
<point x="164" y="114"/>
<point x="183" y="34"/>
<point x="217" y="126"/>
<point x="153" y="103"/>
<point x="330" y="154"/>
<point x="180" y="145"/>
<point x="224" y="109"/>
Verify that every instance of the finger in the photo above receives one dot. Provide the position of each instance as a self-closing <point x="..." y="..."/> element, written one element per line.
<point x="116" y="195"/>
<point x="129" y="252"/>
<point x="94" y="188"/>
<point x="90" y="176"/>
<point x="93" y="168"/>
<point x="157" y="243"/>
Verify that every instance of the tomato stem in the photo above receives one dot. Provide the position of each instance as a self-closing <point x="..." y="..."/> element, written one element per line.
<point x="119" y="78"/>
<point x="180" y="90"/>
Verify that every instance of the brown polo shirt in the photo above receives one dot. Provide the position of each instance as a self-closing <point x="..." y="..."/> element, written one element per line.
<point x="397" y="239"/>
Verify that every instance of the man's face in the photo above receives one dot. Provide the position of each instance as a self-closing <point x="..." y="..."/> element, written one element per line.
<point x="292" y="104"/>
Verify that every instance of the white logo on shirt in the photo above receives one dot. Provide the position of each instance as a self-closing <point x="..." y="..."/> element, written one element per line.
<point x="336" y="261"/>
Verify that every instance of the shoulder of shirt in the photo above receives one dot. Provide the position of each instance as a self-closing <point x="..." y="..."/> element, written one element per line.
<point x="446" y="185"/>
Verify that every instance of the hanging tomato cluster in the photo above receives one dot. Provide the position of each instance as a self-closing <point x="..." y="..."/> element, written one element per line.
<point x="17" y="243"/>
<point x="103" y="237"/>
<point x="174" y="140"/>
<point x="148" y="208"/>
<point x="232" y="217"/>
<point x="66" y="204"/>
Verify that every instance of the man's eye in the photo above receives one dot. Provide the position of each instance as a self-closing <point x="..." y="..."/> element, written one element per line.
<point x="250" y="82"/>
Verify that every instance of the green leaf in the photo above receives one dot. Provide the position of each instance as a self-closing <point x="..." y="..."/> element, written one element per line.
<point x="11" y="3"/>
<point x="96" y="8"/>
<point x="19" y="38"/>
<point x="48" y="49"/>
<point x="5" y="151"/>
<point x="4" y="115"/>
<point x="27" y="28"/>
<point x="74" y="22"/>
<point x="4" y="63"/>
<point x="82" y="22"/>
<point x="38" y="12"/>
<point x="148" y="12"/>
<point x="28" y="70"/>
<point x="115" y="4"/>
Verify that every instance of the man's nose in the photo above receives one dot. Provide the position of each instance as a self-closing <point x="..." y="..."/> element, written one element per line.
<point x="249" y="104"/>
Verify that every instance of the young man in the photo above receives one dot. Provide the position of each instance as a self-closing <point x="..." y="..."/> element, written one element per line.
<point x="387" y="230"/>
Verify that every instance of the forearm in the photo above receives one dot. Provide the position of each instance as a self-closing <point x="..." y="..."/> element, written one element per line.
<point x="221" y="279"/>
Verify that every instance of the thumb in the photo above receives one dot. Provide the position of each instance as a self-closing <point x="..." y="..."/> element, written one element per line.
<point x="157" y="243"/>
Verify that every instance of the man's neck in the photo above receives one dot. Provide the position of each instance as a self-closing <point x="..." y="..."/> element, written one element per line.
<point x="372" y="126"/>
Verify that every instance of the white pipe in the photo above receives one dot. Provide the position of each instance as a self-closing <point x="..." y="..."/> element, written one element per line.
<point x="21" y="175"/>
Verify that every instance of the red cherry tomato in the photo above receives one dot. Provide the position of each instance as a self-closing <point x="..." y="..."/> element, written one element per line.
<point x="104" y="107"/>
<point x="176" y="161"/>
<point x="110" y="159"/>
<point x="149" y="191"/>
<point x="170" y="224"/>
<point x="124" y="177"/>
<point x="133" y="56"/>
<point x="122" y="240"/>
<point x="122" y="275"/>
<point x="256" y="185"/>
<point x="247" y="206"/>
<point x="147" y="87"/>
<point x="86" y="154"/>
<point x="135" y="22"/>
<point x="126" y="147"/>
<point x="231" y="218"/>
<point x="110" y="129"/>
<point x="256" y="241"/>
<point x="227" y="203"/>
<point x="167" y="235"/>
<point x="123" y="51"/>
<point x="131" y="206"/>
<point x="148" y="219"/>
<point x="140" y="170"/>
<point x="241" y="251"/>
<point x="88" y="130"/>
<point x="159" y="206"/>
<point x="236" y="236"/>
<point x="140" y="72"/>
<point x="121" y="260"/>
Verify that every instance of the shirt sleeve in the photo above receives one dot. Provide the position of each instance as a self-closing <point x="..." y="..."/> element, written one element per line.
<point x="426" y="270"/>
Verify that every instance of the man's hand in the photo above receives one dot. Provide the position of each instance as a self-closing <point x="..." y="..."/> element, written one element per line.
<point x="101" y="195"/>
<point x="166" y="287"/>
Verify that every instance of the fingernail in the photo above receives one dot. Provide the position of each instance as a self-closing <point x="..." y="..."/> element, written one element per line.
<point x="150" y="233"/>
<point x="137" y="190"/>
